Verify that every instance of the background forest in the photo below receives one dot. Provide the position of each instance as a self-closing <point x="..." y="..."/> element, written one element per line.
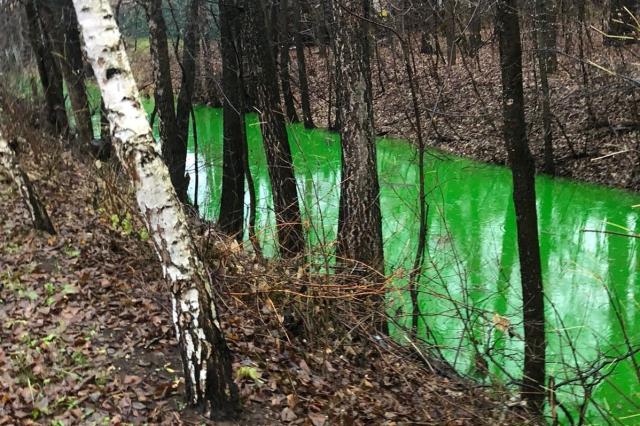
<point x="365" y="211"/>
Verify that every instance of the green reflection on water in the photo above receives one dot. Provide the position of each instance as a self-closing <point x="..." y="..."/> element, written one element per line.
<point x="472" y="272"/>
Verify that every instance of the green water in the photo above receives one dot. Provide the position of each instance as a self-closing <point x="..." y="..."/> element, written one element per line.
<point x="591" y="280"/>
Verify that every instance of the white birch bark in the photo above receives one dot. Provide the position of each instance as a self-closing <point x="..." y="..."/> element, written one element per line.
<point x="36" y="209"/>
<point x="205" y="357"/>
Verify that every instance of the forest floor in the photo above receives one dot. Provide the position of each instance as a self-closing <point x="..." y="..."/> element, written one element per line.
<point x="86" y="334"/>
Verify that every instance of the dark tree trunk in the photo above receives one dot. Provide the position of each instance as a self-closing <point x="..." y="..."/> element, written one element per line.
<point x="183" y="109"/>
<point x="74" y="55"/>
<point x="524" y="198"/>
<point x="159" y="48"/>
<point x="333" y="64"/>
<point x="305" y="99"/>
<point x="60" y="21"/>
<point x="105" y="132"/>
<point x="475" y="28"/>
<point x="231" y="217"/>
<point x="545" y="65"/>
<point x="582" y="33"/>
<point x="48" y="70"/>
<point x="552" y="34"/>
<point x="546" y="34"/>
<point x="450" y="31"/>
<point x="359" y="223"/>
<point x="104" y="148"/>
<point x="278" y="152"/>
<point x="283" y="40"/>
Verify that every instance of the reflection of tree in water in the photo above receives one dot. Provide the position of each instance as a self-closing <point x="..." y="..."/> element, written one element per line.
<point x="472" y="219"/>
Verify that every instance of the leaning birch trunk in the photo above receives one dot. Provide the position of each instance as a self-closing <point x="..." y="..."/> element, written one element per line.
<point x="205" y="356"/>
<point x="36" y="209"/>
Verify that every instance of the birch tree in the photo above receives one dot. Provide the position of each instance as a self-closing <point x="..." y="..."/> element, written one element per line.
<point x="36" y="209"/>
<point x="205" y="356"/>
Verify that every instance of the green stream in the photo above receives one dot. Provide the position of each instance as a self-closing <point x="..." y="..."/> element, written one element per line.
<point x="472" y="274"/>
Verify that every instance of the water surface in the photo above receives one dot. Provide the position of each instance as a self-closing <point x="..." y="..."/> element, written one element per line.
<point x="471" y="281"/>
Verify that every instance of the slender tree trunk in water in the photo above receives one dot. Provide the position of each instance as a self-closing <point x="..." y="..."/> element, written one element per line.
<point x="48" y="70"/>
<point x="206" y="359"/>
<point x="524" y="198"/>
<point x="163" y="94"/>
<point x="545" y="63"/>
<point x="278" y="152"/>
<point x="231" y="219"/>
<point x="418" y="262"/>
<point x="60" y="20"/>
<point x="305" y="99"/>
<point x="37" y="211"/>
<point x="184" y="105"/>
<point x="359" y="222"/>
<point x="283" y="40"/>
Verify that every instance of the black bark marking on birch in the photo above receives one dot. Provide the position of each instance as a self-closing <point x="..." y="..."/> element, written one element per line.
<point x="111" y="72"/>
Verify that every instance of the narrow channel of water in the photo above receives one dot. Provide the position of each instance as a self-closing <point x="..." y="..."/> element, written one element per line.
<point x="471" y="287"/>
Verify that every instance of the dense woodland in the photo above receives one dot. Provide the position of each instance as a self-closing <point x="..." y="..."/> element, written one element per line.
<point x="121" y="303"/>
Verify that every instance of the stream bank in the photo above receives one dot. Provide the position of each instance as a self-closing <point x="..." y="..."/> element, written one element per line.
<point x="87" y="337"/>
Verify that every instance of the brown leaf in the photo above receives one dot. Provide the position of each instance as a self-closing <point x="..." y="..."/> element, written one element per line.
<point x="317" y="419"/>
<point x="287" y="415"/>
<point x="305" y="366"/>
<point x="132" y="380"/>
<point x="292" y="401"/>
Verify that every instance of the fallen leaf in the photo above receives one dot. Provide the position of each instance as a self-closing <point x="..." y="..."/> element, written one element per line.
<point x="287" y="415"/>
<point x="317" y="419"/>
